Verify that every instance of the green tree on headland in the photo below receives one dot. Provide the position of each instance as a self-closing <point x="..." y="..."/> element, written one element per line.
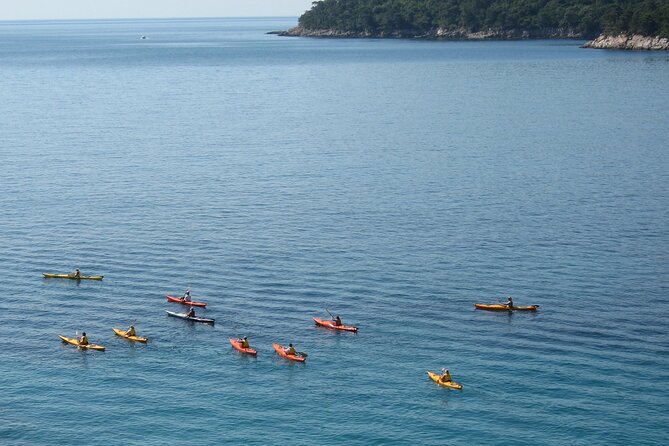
<point x="584" y="18"/>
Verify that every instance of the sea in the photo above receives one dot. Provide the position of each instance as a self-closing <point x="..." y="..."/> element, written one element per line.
<point x="393" y="182"/>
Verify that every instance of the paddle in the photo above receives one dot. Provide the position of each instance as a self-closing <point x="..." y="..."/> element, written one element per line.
<point x="303" y="354"/>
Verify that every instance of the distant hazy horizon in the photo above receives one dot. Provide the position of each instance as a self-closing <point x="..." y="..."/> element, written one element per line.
<point x="145" y="9"/>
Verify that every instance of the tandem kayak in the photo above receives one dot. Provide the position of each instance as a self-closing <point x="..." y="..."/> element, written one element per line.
<point x="122" y="334"/>
<point x="238" y="346"/>
<point x="282" y="352"/>
<point x="500" y="307"/>
<point x="70" y="276"/>
<point x="189" y="318"/>
<point x="180" y="300"/>
<point x="331" y="325"/>
<point x="450" y="384"/>
<point x="75" y="341"/>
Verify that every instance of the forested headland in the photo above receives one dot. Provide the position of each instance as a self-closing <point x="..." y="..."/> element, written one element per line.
<point x="485" y="18"/>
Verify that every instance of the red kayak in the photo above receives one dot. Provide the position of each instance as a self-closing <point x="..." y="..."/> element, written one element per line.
<point x="282" y="352"/>
<point x="180" y="300"/>
<point x="238" y="346"/>
<point x="331" y="324"/>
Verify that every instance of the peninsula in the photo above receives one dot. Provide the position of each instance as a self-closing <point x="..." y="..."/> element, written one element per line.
<point x="619" y="24"/>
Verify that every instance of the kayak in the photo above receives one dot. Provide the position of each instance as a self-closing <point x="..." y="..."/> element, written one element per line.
<point x="70" y="276"/>
<point x="450" y="384"/>
<point x="75" y="341"/>
<point x="180" y="300"/>
<point x="500" y="307"/>
<point x="282" y="352"/>
<point x="122" y="334"/>
<point x="194" y="319"/>
<point x="238" y="346"/>
<point x="331" y="325"/>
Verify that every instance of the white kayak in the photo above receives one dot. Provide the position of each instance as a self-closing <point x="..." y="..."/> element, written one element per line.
<point x="190" y="318"/>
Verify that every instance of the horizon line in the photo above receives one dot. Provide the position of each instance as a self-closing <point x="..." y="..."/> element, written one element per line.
<point x="90" y="19"/>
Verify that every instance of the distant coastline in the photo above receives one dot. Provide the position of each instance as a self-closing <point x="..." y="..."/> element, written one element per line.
<point x="610" y="24"/>
<point x="435" y="34"/>
<point x="604" y="41"/>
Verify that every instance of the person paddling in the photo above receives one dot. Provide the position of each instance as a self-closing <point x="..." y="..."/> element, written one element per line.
<point x="291" y="350"/>
<point x="244" y="342"/>
<point x="187" y="295"/>
<point x="509" y="302"/>
<point x="191" y="312"/>
<point x="445" y="376"/>
<point x="130" y="331"/>
<point x="83" y="340"/>
<point x="77" y="273"/>
<point x="335" y="319"/>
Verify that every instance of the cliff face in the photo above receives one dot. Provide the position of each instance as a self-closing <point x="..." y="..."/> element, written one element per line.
<point x="438" y="33"/>
<point x="629" y="42"/>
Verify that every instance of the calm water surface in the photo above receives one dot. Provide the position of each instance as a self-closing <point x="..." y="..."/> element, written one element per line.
<point x="393" y="182"/>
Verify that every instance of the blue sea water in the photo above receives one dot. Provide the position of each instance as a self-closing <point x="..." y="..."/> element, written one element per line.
<point x="393" y="182"/>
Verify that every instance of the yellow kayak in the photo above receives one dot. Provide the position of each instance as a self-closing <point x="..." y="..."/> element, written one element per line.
<point x="122" y="334"/>
<point x="501" y="307"/>
<point x="70" y="276"/>
<point x="450" y="384"/>
<point x="75" y="342"/>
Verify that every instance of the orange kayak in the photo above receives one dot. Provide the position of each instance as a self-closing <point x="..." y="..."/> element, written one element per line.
<point x="500" y="307"/>
<point x="282" y="352"/>
<point x="181" y="300"/>
<point x="331" y="325"/>
<point x="238" y="346"/>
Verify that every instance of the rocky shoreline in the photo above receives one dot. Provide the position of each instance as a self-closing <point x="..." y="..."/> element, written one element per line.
<point x="629" y="42"/>
<point x="435" y="34"/>
<point x="622" y="41"/>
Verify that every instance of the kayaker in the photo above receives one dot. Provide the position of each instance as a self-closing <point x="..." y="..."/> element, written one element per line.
<point x="509" y="302"/>
<point x="445" y="376"/>
<point x="191" y="312"/>
<point x="83" y="340"/>
<point x="77" y="273"/>
<point x="291" y="350"/>
<point x="131" y="331"/>
<point x="187" y="296"/>
<point x="336" y="320"/>
<point x="245" y="342"/>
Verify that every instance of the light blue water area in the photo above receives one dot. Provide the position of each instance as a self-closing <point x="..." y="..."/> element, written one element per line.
<point x="393" y="182"/>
